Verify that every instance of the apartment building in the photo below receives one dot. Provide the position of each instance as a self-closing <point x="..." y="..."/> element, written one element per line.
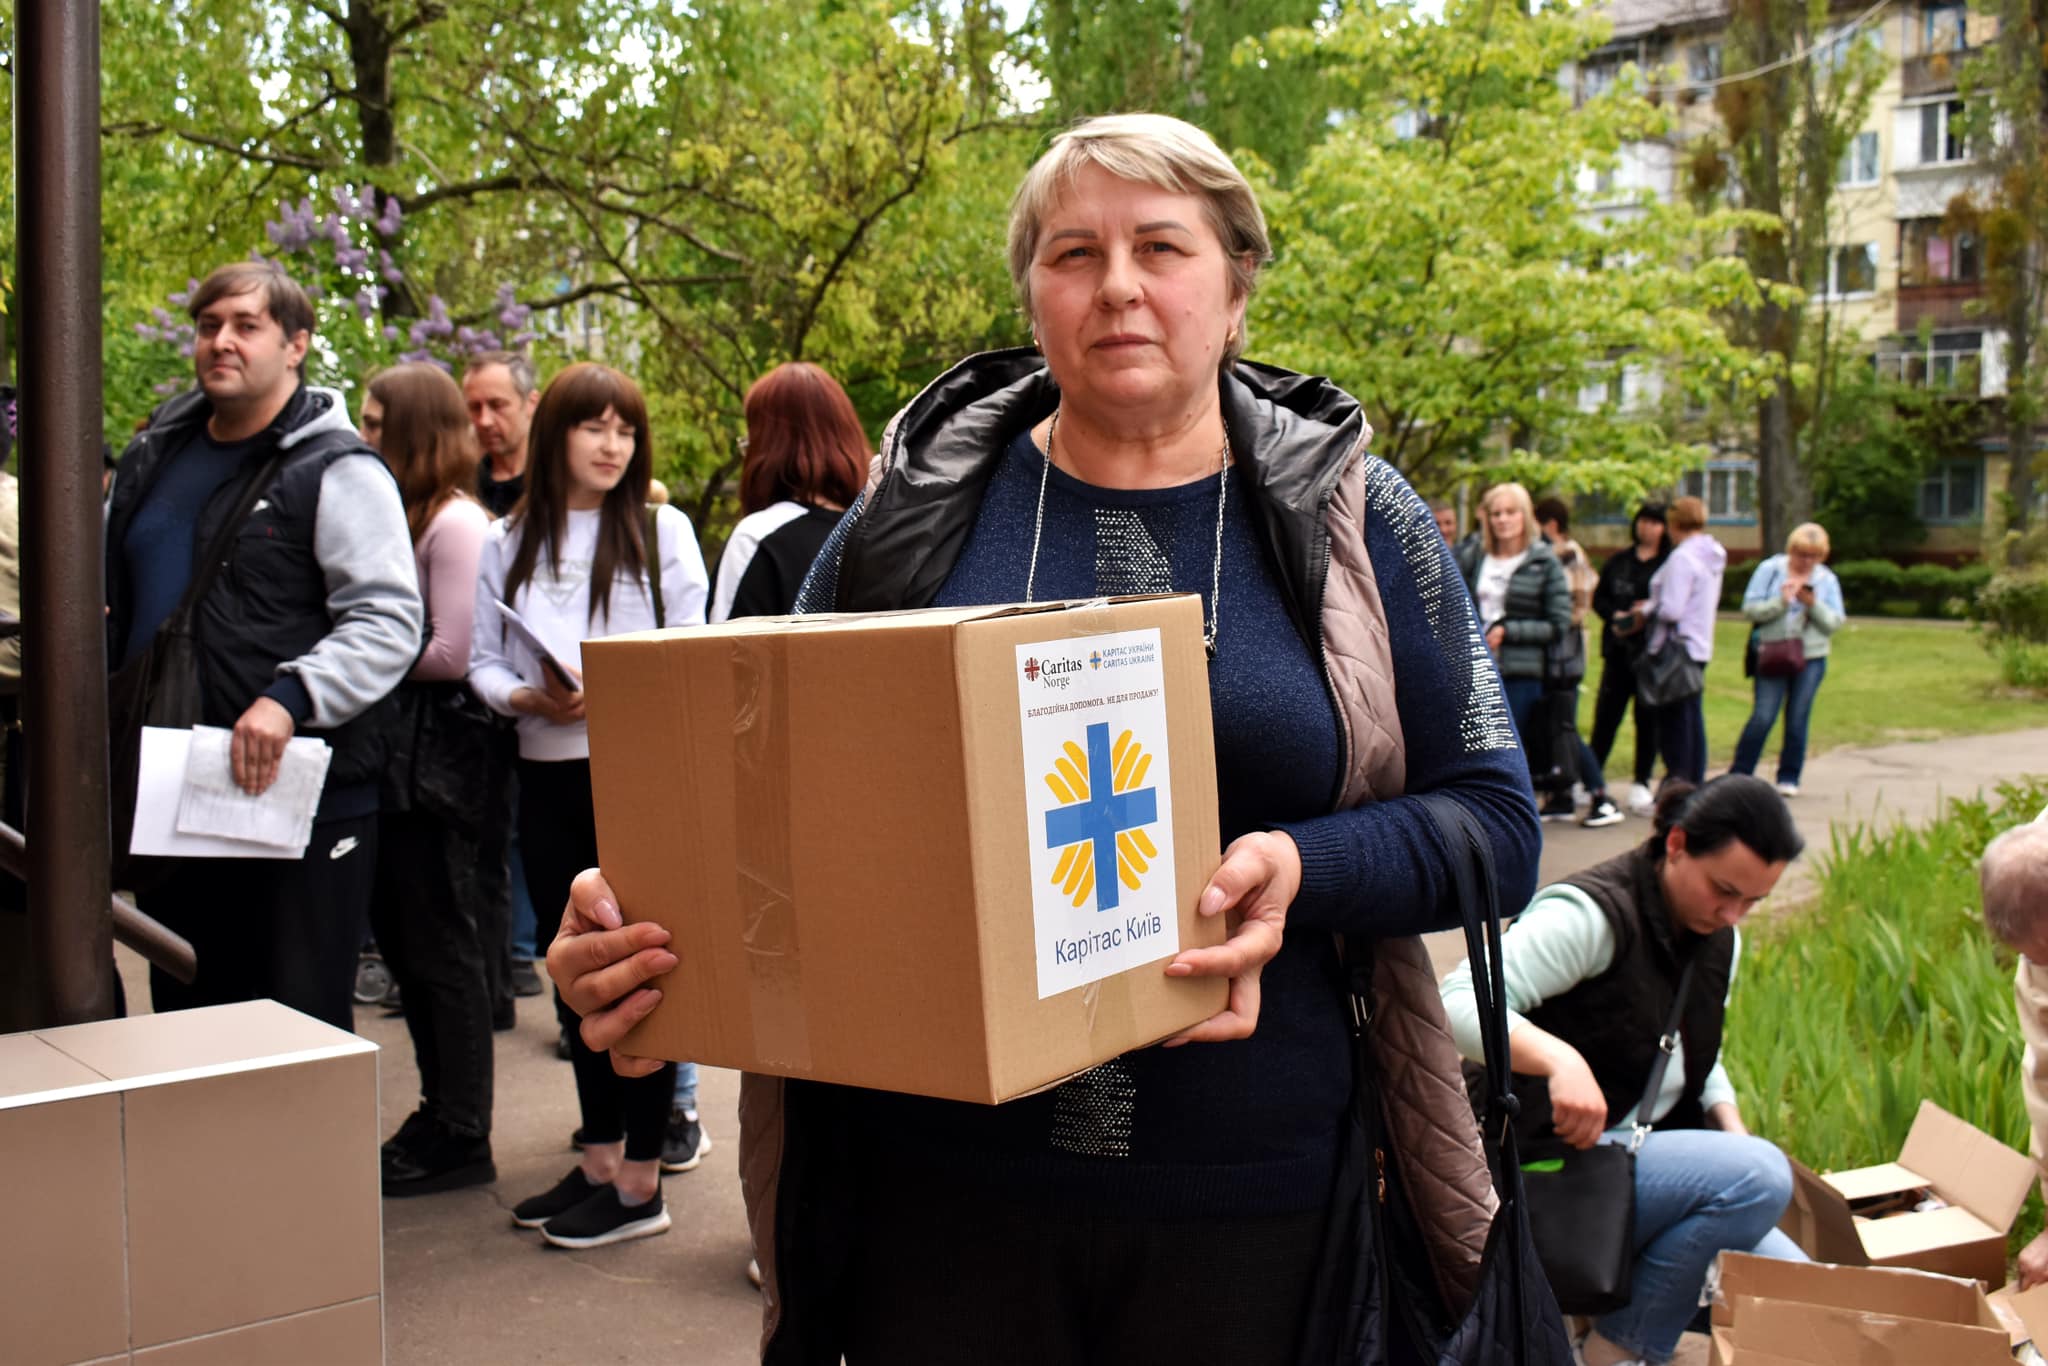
<point x="1896" y="282"/>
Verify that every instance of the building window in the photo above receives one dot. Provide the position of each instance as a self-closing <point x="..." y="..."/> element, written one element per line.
<point x="1942" y="28"/>
<point x="1953" y="492"/>
<point x="1946" y="361"/>
<point x="1859" y="161"/>
<point x="1727" y="487"/>
<point x="1929" y="256"/>
<point x="1595" y="78"/>
<point x="1941" y="133"/>
<point x="1852" y="270"/>
<point x="1703" y="62"/>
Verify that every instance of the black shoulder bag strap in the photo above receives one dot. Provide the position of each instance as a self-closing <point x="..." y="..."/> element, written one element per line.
<point x="208" y="569"/>
<point x="654" y="565"/>
<point x="1667" y="1044"/>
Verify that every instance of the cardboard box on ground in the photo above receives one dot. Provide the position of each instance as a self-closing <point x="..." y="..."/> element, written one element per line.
<point x="945" y="852"/>
<point x="1773" y="1313"/>
<point x="1871" y="1216"/>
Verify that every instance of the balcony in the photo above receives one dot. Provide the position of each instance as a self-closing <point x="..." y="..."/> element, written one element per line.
<point x="1933" y="73"/>
<point x="1942" y="305"/>
<point x="1950" y="363"/>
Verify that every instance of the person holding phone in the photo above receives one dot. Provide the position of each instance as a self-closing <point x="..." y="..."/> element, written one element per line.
<point x="574" y="561"/>
<point x="1791" y="597"/>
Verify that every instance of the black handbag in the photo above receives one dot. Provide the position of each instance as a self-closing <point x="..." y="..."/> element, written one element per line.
<point x="160" y="687"/>
<point x="1564" y="659"/>
<point x="1512" y="1319"/>
<point x="1582" y="1206"/>
<point x="1668" y="674"/>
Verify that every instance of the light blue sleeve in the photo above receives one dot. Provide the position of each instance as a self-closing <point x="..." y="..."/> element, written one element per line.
<point x="1827" y="611"/>
<point x="1560" y="941"/>
<point x="1761" y="600"/>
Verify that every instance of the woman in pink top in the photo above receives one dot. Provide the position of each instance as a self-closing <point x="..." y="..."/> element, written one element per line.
<point x="427" y="910"/>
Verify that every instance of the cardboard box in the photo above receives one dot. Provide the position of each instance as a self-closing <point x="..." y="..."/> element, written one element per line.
<point x="1850" y="1217"/>
<point x="2024" y="1313"/>
<point x="941" y="852"/>
<point x="1773" y="1313"/>
<point x="171" y="1217"/>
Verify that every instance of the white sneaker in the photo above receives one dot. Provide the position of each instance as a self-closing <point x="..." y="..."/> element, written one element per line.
<point x="1641" y="801"/>
<point x="1788" y="789"/>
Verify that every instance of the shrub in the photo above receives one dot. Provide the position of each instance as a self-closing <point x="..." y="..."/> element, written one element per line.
<point x="1868" y="583"/>
<point x="2013" y="607"/>
<point x="1885" y="990"/>
<point x="2022" y="665"/>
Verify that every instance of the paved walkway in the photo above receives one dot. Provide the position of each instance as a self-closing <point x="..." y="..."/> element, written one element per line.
<point x="463" y="1286"/>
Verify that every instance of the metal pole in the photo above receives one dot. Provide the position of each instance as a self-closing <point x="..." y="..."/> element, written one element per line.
<point x="64" y="666"/>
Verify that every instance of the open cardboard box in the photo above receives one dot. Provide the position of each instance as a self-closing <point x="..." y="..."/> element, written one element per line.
<point x="1774" y="1313"/>
<point x="943" y="852"/>
<point x="1983" y="1183"/>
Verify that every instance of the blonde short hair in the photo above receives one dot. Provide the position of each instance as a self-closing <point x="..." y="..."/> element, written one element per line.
<point x="1686" y="514"/>
<point x="1509" y="492"/>
<point x="1146" y="149"/>
<point x="1808" y="536"/>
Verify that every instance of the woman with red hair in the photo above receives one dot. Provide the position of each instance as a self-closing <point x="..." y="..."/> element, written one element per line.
<point x="806" y="456"/>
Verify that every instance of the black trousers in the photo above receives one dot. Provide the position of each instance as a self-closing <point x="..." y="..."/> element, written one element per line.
<point x="937" y="1280"/>
<point x="1616" y="696"/>
<point x="558" y="840"/>
<point x="426" y="916"/>
<point x="1682" y="734"/>
<point x="287" y="929"/>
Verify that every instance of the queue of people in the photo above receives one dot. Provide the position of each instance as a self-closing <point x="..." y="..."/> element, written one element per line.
<point x="384" y="585"/>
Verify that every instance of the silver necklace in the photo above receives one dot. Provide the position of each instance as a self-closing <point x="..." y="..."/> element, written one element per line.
<point x="1216" y="574"/>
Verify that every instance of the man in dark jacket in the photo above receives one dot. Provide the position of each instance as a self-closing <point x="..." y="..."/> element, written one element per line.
<point x="311" y="619"/>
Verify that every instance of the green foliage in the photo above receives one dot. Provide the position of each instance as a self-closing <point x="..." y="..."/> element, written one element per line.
<point x="1444" y="279"/>
<point x="1927" y="590"/>
<point x="1886" y="990"/>
<point x="2013" y="607"/>
<point x="2022" y="665"/>
<point x="1873" y="447"/>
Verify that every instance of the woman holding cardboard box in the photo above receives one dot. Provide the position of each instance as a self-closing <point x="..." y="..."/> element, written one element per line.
<point x="574" y="560"/>
<point x="1597" y="967"/>
<point x="1193" y="1202"/>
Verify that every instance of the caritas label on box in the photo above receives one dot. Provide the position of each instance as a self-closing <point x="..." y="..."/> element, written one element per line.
<point x="1098" y="807"/>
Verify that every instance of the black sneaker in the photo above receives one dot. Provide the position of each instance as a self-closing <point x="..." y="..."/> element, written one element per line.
<point x="571" y="1191"/>
<point x="603" y="1219"/>
<point x="526" y="981"/>
<point x="683" y="1143"/>
<point x="1602" y="812"/>
<point x="438" y="1160"/>
<point x="1556" y="807"/>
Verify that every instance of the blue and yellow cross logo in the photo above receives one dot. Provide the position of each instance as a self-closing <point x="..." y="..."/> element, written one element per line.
<point x="1098" y="830"/>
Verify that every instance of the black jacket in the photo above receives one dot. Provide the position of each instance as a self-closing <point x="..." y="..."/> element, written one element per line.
<point x="1624" y="582"/>
<point x="268" y="604"/>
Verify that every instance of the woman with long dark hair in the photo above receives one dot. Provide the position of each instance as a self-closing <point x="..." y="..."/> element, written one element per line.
<point x="575" y="561"/>
<point x="805" y="458"/>
<point x="426" y="913"/>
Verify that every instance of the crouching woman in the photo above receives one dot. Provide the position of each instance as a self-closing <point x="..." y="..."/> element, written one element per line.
<point x="1593" y="969"/>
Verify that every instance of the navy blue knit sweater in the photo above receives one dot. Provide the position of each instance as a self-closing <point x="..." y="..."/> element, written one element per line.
<point x="1249" y="1127"/>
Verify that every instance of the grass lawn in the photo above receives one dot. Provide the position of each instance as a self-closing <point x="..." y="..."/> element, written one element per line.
<point x="1887" y="681"/>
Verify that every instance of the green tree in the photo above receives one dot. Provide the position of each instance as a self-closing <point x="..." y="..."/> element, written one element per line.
<point x="1785" y="125"/>
<point x="1429" y="262"/>
<point x="2006" y="99"/>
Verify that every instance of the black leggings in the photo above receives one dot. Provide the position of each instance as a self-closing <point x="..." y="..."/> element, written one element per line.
<point x="937" y="1280"/>
<point x="1617" y="694"/>
<point x="558" y="840"/>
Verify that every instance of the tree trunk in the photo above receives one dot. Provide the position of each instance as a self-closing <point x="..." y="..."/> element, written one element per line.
<point x="369" y="57"/>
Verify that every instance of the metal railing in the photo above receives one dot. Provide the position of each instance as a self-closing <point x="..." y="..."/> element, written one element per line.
<point x="163" y="947"/>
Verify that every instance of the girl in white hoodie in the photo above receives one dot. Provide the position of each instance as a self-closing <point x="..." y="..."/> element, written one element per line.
<point x="572" y="560"/>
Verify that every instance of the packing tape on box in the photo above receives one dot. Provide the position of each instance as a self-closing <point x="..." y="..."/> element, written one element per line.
<point x="760" y="762"/>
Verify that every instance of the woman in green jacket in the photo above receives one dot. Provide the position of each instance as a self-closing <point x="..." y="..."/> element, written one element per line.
<point x="1524" y="602"/>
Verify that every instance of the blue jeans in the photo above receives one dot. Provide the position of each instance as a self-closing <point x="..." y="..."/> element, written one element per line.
<point x="1699" y="1193"/>
<point x="1526" y="700"/>
<point x="1795" y="696"/>
<point x="525" y="926"/>
<point x="686" y="1087"/>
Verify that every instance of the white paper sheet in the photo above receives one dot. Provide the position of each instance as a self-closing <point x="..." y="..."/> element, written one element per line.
<point x="213" y="804"/>
<point x="164" y="754"/>
<point x="525" y="634"/>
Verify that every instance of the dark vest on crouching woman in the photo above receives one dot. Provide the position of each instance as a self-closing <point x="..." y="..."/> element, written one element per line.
<point x="1615" y="1019"/>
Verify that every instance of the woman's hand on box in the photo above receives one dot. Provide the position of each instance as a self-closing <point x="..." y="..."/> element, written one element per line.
<point x="2034" y="1262"/>
<point x="1260" y="875"/>
<point x="601" y="965"/>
